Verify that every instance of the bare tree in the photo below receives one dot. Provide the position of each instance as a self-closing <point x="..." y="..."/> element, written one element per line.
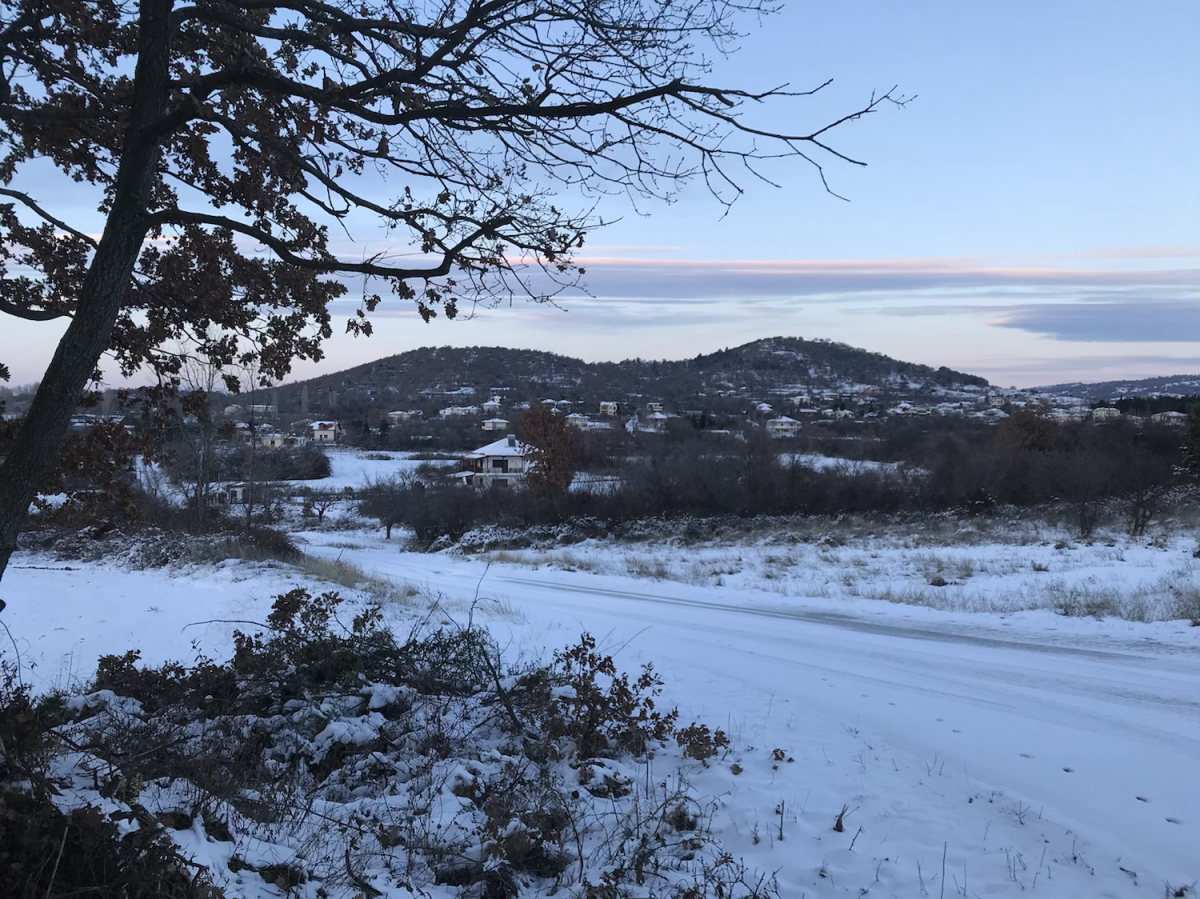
<point x="224" y="139"/>
<point x="318" y="501"/>
<point x="198" y="378"/>
<point x="389" y="500"/>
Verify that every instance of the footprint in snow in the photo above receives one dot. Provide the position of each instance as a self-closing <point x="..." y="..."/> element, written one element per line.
<point x="955" y="730"/>
<point x="1174" y="821"/>
<point x="1069" y="770"/>
<point x="1025" y="755"/>
<point x="1141" y="798"/>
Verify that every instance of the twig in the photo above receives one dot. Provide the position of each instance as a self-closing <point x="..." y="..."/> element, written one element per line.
<point x="474" y="598"/>
<point x="57" y="859"/>
<point x="228" y="621"/>
<point x="942" y="895"/>
<point x="852" y="842"/>
<point x="367" y="889"/>
<point x="16" y="649"/>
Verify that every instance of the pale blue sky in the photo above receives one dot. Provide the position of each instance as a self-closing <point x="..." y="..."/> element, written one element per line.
<point x="1033" y="216"/>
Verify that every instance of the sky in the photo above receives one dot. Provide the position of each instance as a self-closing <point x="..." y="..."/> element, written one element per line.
<point x="1031" y="216"/>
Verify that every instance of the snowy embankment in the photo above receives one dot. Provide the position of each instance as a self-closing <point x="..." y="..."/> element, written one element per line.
<point x="1018" y="753"/>
<point x="1154" y="579"/>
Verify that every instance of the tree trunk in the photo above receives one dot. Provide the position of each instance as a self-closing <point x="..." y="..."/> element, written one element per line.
<point x="35" y="451"/>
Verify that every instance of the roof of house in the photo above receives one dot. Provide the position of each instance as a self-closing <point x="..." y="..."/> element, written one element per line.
<point x="505" y="446"/>
<point x="783" y="420"/>
<point x="495" y="421"/>
<point x="323" y="425"/>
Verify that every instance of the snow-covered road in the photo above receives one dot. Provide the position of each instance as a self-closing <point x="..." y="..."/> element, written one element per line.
<point x="1097" y="728"/>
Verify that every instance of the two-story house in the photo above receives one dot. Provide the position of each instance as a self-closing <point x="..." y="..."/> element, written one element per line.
<point x="503" y="463"/>
<point x="783" y="426"/>
<point x="326" y="432"/>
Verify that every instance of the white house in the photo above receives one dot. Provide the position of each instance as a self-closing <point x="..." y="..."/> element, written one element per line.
<point x="326" y="431"/>
<point x="495" y="424"/>
<point x="403" y="415"/>
<point x="653" y="407"/>
<point x="492" y="406"/>
<point x="1168" y="418"/>
<point x="607" y="408"/>
<point x="657" y="421"/>
<point x="783" y="427"/>
<point x="503" y="463"/>
<point x="275" y="441"/>
<point x="456" y="411"/>
<point x="577" y="419"/>
<point x="764" y="409"/>
<point x="1105" y="413"/>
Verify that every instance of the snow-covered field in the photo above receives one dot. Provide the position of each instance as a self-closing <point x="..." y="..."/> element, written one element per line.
<point x="356" y="468"/>
<point x="976" y="754"/>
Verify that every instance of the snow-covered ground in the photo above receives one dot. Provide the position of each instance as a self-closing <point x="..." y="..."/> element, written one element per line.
<point x="1025" y="752"/>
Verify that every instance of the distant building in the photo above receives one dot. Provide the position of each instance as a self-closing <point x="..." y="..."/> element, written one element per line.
<point x="577" y="419"/>
<point x="495" y="424"/>
<point x="397" y="417"/>
<point x="492" y="406"/>
<point x="654" y="407"/>
<point x="607" y="408"/>
<point x="1105" y="413"/>
<point x="657" y="421"/>
<point x="783" y="427"/>
<point x="1168" y="418"/>
<point x="457" y="411"/>
<point x="276" y="441"/>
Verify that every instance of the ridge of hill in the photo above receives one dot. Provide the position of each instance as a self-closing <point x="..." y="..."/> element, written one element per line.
<point x="771" y="366"/>
<point x="1177" y="385"/>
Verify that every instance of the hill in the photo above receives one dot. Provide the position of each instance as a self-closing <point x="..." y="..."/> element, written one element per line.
<point x="774" y="366"/>
<point x="1176" y="385"/>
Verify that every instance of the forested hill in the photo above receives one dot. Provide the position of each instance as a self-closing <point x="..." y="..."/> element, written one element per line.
<point x="773" y="366"/>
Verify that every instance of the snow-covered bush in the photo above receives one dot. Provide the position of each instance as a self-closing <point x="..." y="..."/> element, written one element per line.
<point x="329" y="753"/>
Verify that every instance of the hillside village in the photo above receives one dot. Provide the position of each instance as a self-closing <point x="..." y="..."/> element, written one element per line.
<point x="457" y="398"/>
